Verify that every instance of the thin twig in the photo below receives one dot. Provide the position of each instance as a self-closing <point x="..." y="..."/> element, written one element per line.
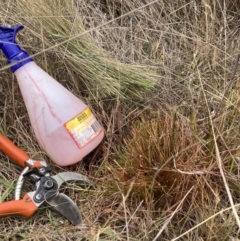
<point x="235" y="68"/>
<point x="139" y="205"/>
<point x="204" y="221"/>
<point x="188" y="173"/>
<point x="125" y="210"/>
<point x="230" y="84"/>
<point x="170" y="218"/>
<point x="218" y="156"/>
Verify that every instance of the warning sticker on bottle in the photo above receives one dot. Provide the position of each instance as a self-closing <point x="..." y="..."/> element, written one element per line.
<point x="83" y="128"/>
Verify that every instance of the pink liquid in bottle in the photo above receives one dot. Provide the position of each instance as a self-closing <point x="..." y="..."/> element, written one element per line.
<point x="64" y="126"/>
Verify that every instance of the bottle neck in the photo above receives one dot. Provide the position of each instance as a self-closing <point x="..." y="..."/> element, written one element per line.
<point x="16" y="57"/>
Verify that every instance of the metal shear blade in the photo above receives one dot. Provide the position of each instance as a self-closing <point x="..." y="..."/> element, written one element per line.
<point x="62" y="203"/>
<point x="66" y="207"/>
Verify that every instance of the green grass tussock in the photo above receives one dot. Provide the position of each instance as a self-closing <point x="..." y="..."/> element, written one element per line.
<point x="95" y="71"/>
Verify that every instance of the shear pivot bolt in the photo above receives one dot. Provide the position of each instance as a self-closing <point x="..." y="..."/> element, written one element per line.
<point x="38" y="196"/>
<point x="48" y="184"/>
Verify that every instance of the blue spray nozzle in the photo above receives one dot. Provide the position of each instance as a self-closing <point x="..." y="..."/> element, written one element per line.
<point x="14" y="54"/>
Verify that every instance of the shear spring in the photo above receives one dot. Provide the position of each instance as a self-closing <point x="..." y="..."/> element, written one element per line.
<point x="19" y="184"/>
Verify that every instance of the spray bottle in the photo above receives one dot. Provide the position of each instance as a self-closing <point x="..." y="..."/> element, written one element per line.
<point x="64" y="126"/>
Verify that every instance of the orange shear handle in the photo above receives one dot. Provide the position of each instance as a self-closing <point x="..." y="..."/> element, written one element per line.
<point x="16" y="154"/>
<point x="24" y="207"/>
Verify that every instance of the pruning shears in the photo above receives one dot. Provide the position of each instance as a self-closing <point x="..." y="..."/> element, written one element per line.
<point x="47" y="186"/>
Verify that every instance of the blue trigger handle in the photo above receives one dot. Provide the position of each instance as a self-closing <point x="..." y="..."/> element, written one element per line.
<point x="9" y="34"/>
<point x="16" y="56"/>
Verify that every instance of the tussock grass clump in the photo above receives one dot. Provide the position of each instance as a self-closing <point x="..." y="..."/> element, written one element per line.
<point x="162" y="160"/>
<point x="149" y="157"/>
<point x="167" y="162"/>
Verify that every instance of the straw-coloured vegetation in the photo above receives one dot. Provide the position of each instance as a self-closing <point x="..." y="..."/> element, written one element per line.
<point x="162" y="77"/>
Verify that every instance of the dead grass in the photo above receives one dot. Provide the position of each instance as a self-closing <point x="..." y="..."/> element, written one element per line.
<point x="168" y="168"/>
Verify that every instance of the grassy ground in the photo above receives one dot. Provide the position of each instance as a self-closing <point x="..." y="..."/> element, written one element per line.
<point x="162" y="77"/>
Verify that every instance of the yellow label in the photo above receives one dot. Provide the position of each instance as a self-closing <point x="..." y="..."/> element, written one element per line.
<point x="83" y="128"/>
<point x="75" y="122"/>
